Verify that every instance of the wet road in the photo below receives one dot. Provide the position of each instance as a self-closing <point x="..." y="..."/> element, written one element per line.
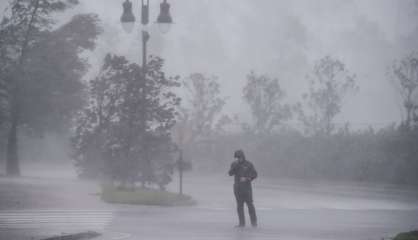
<point x="287" y="209"/>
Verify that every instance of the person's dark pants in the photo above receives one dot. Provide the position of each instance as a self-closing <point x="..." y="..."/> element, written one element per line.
<point x="244" y="194"/>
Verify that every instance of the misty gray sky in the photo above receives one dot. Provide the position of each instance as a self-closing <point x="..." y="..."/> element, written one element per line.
<point x="229" y="38"/>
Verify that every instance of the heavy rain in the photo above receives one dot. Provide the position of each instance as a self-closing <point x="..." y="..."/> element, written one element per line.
<point x="208" y="119"/>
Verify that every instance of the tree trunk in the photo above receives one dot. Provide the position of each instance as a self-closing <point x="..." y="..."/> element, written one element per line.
<point x="12" y="168"/>
<point x="409" y="107"/>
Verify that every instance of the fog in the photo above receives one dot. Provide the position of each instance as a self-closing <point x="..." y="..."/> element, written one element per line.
<point x="282" y="39"/>
<point x="321" y="97"/>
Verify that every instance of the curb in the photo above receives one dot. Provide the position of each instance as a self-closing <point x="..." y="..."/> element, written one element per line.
<point x="78" y="236"/>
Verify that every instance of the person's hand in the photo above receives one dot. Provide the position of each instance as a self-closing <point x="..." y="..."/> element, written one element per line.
<point x="243" y="179"/>
<point x="234" y="165"/>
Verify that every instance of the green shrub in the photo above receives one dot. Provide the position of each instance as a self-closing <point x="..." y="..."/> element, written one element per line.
<point x="407" y="236"/>
<point x="142" y="196"/>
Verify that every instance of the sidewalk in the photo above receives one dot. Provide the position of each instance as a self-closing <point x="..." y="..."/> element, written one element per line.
<point x="37" y="208"/>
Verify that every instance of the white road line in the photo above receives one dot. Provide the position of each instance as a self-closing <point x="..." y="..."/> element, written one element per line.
<point x="49" y="226"/>
<point x="57" y="213"/>
<point x="26" y="218"/>
<point x="44" y="223"/>
<point x="66" y="211"/>
<point x="56" y="221"/>
<point x="54" y="214"/>
<point x="94" y="226"/>
<point x="121" y="236"/>
<point x="53" y="218"/>
<point x="264" y="209"/>
<point x="233" y="208"/>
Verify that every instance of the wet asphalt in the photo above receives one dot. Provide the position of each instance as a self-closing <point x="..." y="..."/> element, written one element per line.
<point x="36" y="207"/>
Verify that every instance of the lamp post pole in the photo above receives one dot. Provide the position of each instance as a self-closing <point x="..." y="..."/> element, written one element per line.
<point x="128" y="20"/>
<point x="143" y="78"/>
<point x="180" y="166"/>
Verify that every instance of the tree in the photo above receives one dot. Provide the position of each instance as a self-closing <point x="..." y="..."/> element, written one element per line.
<point x="110" y="137"/>
<point x="200" y="117"/>
<point x="328" y="86"/>
<point x="265" y="99"/>
<point x="406" y="78"/>
<point x="54" y="92"/>
<point x="4" y="84"/>
<point x="18" y="34"/>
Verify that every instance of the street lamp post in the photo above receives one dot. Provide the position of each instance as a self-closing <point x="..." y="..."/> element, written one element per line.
<point x="128" y="21"/>
<point x="177" y="154"/>
<point x="180" y="165"/>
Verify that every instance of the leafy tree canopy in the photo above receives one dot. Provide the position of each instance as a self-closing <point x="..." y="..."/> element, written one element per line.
<point x="124" y="131"/>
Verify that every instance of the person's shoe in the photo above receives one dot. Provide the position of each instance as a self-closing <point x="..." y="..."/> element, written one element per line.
<point x="240" y="226"/>
<point x="254" y="225"/>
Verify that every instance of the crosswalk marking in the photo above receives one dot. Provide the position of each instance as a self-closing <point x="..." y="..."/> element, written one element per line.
<point x="21" y="219"/>
<point x="231" y="208"/>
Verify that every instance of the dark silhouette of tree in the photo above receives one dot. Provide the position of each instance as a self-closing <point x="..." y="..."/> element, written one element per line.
<point x="265" y="97"/>
<point x="23" y="30"/>
<point x="54" y="92"/>
<point x="406" y="78"/>
<point x="110" y="137"/>
<point x="329" y="84"/>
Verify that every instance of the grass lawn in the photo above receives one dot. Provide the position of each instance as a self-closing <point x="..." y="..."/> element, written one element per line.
<point x="140" y="196"/>
<point x="407" y="236"/>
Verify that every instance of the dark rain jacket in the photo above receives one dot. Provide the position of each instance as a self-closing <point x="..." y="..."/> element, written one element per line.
<point x="242" y="169"/>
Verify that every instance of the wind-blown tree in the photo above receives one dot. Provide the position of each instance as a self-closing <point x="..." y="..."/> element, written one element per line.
<point x="406" y="78"/>
<point x="329" y="84"/>
<point x="4" y="95"/>
<point x="4" y="85"/>
<point x="3" y="114"/>
<point x="265" y="98"/>
<point x="54" y="91"/>
<point x="20" y="31"/>
<point x="201" y="116"/>
<point x="4" y="98"/>
<point x="110" y="135"/>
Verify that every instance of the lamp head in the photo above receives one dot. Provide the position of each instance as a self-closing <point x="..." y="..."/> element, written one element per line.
<point x="127" y="19"/>
<point x="164" y="20"/>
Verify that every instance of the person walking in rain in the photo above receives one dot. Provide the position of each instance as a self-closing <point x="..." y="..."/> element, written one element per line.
<point x="244" y="173"/>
